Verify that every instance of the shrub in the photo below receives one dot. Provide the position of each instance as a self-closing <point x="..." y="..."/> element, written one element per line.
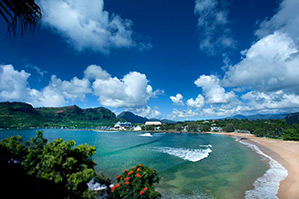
<point x="137" y="182"/>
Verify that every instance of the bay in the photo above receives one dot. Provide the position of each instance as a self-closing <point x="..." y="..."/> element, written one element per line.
<point x="190" y="165"/>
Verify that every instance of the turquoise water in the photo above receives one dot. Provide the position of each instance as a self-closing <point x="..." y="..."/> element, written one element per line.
<point x="190" y="165"/>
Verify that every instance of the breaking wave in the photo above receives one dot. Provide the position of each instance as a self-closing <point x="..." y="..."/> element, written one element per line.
<point x="146" y="135"/>
<point x="267" y="186"/>
<point x="192" y="155"/>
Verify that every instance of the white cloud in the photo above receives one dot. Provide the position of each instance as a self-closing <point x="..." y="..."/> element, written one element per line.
<point x="213" y="92"/>
<point x="271" y="101"/>
<point x="13" y="83"/>
<point x="199" y="102"/>
<point x="59" y="92"/>
<point x="87" y="25"/>
<point x="271" y="64"/>
<point x="267" y="75"/>
<point x="212" y="24"/>
<point x="176" y="114"/>
<point x="177" y="100"/>
<point x="286" y="20"/>
<point x="146" y="111"/>
<point x="93" y="72"/>
<point x="133" y="91"/>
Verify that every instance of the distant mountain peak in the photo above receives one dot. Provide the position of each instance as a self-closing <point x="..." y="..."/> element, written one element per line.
<point x="131" y="117"/>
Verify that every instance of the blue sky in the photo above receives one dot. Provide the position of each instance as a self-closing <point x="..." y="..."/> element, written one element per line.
<point x="166" y="59"/>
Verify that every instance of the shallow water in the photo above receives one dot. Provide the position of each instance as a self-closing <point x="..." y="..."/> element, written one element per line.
<point x="190" y="165"/>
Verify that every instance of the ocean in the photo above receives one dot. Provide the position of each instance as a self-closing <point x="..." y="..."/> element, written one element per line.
<point x="189" y="165"/>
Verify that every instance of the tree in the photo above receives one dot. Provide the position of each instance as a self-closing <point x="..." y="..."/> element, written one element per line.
<point x="229" y="127"/>
<point x="137" y="182"/>
<point x="43" y="167"/>
<point x="24" y="12"/>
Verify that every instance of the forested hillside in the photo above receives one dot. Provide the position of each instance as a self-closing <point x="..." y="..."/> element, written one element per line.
<point x="22" y="115"/>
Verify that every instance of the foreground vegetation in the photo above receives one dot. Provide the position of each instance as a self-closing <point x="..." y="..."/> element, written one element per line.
<point x="59" y="169"/>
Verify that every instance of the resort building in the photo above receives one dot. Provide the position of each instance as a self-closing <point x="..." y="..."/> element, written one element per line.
<point x="122" y="126"/>
<point x="153" y="123"/>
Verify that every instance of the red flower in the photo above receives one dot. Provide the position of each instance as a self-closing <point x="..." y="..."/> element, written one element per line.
<point x="141" y="192"/>
<point x="138" y="175"/>
<point x="138" y="170"/>
<point x="118" y="176"/>
<point x="130" y="172"/>
<point x="127" y="182"/>
<point x="133" y="167"/>
<point x="127" y="178"/>
<point x="145" y="189"/>
<point x="154" y="171"/>
<point x="125" y="170"/>
<point x="112" y="189"/>
<point x="117" y="185"/>
<point x="140" y="165"/>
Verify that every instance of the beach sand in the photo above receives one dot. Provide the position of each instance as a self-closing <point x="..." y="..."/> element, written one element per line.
<point x="286" y="153"/>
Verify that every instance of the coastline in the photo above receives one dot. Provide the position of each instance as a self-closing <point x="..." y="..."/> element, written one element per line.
<point x="284" y="152"/>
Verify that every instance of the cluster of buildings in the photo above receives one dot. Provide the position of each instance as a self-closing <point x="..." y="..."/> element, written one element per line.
<point x="124" y="126"/>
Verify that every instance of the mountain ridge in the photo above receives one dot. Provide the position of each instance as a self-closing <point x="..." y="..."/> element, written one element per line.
<point x="22" y="115"/>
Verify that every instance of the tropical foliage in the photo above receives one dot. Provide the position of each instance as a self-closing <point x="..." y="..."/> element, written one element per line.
<point x="26" y="13"/>
<point x="60" y="169"/>
<point x="38" y="167"/>
<point x="137" y="182"/>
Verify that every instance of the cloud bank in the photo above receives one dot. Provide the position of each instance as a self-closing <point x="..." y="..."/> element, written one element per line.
<point x="266" y="80"/>
<point x="132" y="92"/>
<point x="212" y="23"/>
<point x="88" y="26"/>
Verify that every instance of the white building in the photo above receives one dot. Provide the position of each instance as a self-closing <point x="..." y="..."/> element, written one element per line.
<point x="137" y="128"/>
<point x="154" y="123"/>
<point x="122" y="125"/>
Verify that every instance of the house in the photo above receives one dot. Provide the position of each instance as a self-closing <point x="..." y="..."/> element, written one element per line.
<point x="216" y="129"/>
<point x="137" y="128"/>
<point x="122" y="126"/>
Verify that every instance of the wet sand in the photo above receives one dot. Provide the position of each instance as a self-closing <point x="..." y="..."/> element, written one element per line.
<point x="286" y="153"/>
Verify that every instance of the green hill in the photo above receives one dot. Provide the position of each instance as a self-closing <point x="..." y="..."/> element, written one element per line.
<point x="131" y="117"/>
<point x="22" y="115"/>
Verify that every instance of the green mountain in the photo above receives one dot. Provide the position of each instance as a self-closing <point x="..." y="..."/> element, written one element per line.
<point x="22" y="115"/>
<point x="131" y="117"/>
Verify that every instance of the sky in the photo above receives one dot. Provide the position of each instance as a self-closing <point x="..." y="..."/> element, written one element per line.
<point x="174" y="59"/>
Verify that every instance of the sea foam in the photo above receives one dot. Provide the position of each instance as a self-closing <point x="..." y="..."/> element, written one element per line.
<point x="146" y="135"/>
<point x="192" y="155"/>
<point x="267" y="186"/>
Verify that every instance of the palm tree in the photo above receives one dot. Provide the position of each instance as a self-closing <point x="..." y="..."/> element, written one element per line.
<point x="25" y="12"/>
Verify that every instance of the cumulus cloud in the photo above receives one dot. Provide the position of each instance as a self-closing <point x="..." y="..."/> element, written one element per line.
<point x="177" y="100"/>
<point x="146" y="111"/>
<point x="266" y="77"/>
<point x="212" y="23"/>
<point x="214" y="93"/>
<point x="88" y="25"/>
<point x="13" y="83"/>
<point x="199" y="102"/>
<point x="132" y="91"/>
<point x="271" y="64"/>
<point x="93" y="72"/>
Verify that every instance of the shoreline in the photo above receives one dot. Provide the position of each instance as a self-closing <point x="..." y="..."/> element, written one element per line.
<point x="285" y="153"/>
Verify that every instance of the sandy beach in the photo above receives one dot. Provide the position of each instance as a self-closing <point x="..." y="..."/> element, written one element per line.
<point x="286" y="153"/>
